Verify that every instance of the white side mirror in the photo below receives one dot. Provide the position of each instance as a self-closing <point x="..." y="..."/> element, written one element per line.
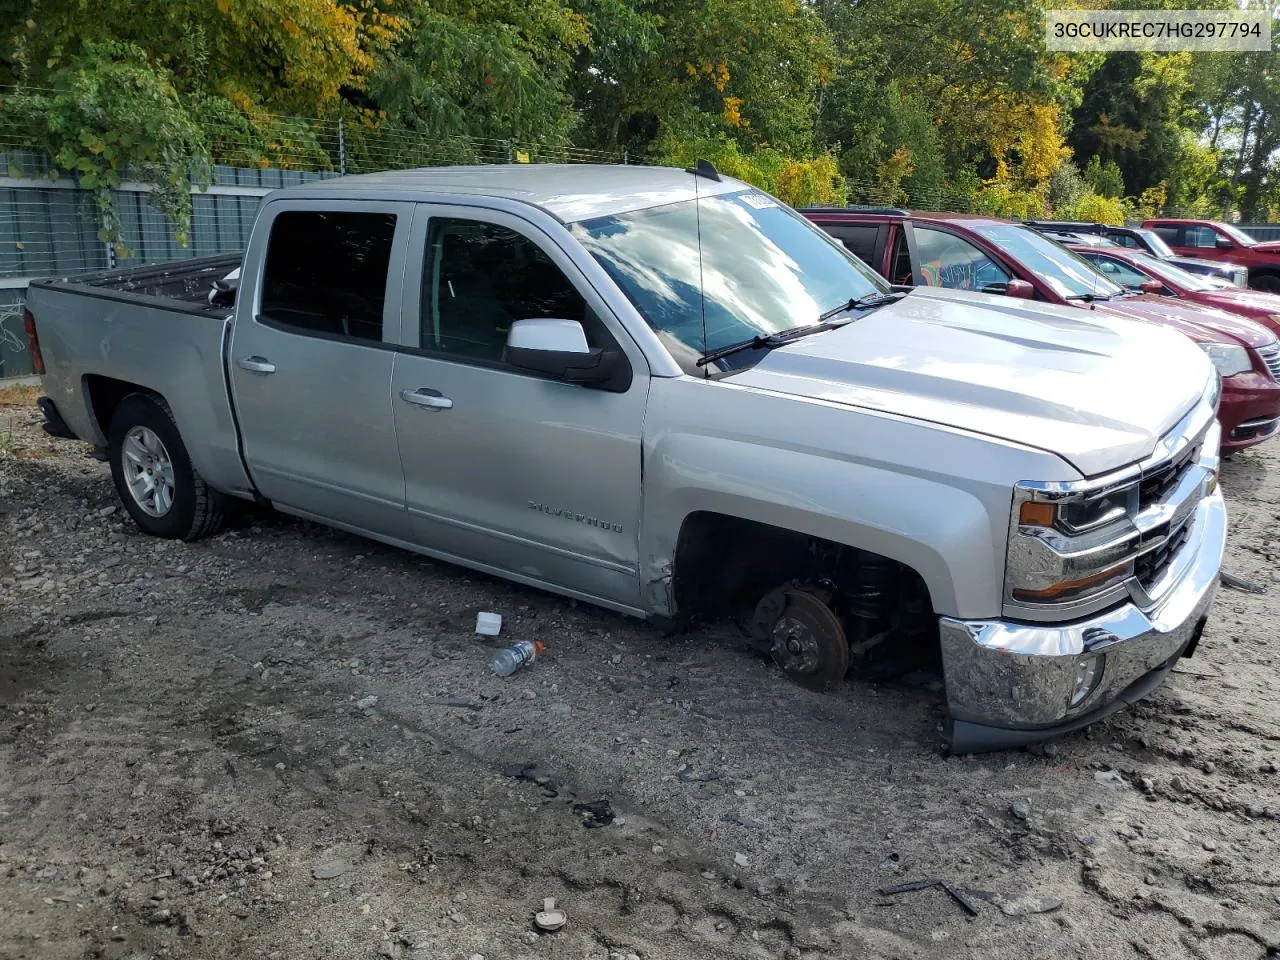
<point x="557" y="336"/>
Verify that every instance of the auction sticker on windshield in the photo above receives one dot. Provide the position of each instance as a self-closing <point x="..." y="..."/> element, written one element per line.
<point x="1107" y="31"/>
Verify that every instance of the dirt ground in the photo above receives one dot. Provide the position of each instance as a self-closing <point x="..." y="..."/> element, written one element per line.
<point x="189" y="734"/>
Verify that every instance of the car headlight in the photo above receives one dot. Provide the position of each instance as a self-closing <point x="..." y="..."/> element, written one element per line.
<point x="1229" y="358"/>
<point x="1071" y="546"/>
<point x="1273" y="317"/>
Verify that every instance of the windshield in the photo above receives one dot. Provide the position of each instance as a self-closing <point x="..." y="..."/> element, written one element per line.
<point x="763" y="269"/>
<point x="1067" y="273"/>
<point x="1236" y="234"/>
<point x="1155" y="243"/>
<point x="1171" y="274"/>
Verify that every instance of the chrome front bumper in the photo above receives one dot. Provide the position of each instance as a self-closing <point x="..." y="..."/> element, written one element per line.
<point x="1013" y="683"/>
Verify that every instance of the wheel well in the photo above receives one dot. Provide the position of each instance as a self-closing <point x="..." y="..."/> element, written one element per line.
<point x="725" y="565"/>
<point x="105" y="394"/>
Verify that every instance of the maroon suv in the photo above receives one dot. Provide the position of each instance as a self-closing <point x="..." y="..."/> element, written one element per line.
<point x="989" y="255"/>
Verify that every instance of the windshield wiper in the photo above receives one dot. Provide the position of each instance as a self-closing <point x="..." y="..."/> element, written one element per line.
<point x="1089" y="297"/>
<point x="825" y="321"/>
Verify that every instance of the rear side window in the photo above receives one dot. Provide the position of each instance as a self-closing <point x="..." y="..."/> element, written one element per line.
<point x="859" y="240"/>
<point x="1124" y="239"/>
<point x="326" y="272"/>
<point x="1201" y="236"/>
<point x="1168" y="235"/>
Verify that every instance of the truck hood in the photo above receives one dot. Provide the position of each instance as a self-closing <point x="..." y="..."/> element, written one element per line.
<point x="1201" y="323"/>
<point x="1270" y="246"/>
<point x="1216" y="265"/>
<point x="1095" y="389"/>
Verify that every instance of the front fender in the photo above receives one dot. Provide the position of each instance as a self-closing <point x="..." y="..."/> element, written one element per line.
<point x="941" y="532"/>
<point x="928" y="496"/>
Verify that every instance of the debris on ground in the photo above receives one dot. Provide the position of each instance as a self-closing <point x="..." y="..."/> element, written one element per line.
<point x="549" y="918"/>
<point x="1109" y="778"/>
<point x="1240" y="583"/>
<point x="597" y="813"/>
<point x="1020" y="808"/>
<point x="488" y="624"/>
<point x="332" y="869"/>
<point x="1009" y="906"/>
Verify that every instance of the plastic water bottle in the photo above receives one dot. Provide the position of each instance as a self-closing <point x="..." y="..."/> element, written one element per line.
<point x="510" y="659"/>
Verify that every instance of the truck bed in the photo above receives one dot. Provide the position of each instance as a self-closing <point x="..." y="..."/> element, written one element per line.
<point x="179" y="285"/>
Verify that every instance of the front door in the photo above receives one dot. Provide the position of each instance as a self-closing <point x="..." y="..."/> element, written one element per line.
<point x="509" y="471"/>
<point x="311" y="360"/>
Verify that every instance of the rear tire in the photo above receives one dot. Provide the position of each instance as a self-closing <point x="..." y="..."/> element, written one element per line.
<point x="153" y="474"/>
<point x="1265" y="282"/>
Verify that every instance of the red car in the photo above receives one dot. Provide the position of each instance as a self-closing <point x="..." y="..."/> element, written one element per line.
<point x="1142" y="272"/>
<point x="988" y="255"/>
<point x="1215" y="240"/>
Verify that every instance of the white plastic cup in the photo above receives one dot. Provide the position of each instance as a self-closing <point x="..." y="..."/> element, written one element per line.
<point x="488" y="624"/>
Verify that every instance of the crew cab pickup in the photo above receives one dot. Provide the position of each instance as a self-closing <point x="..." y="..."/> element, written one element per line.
<point x="666" y="393"/>
<point x="1215" y="240"/>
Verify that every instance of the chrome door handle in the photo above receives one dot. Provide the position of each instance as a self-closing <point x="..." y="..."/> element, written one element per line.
<point x="256" y="365"/>
<point x="424" y="397"/>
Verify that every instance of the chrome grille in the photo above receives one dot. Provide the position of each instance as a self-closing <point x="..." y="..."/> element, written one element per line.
<point x="1271" y="357"/>
<point x="1150" y="567"/>
<point x="1158" y="481"/>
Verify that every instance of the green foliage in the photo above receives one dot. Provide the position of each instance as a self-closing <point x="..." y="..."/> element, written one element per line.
<point x="933" y="103"/>
<point x="1003" y="200"/>
<point x="810" y="182"/>
<point x="1066" y="186"/>
<point x="113" y="115"/>
<point x="493" y="69"/>
<point x="1094" y="208"/>
<point x="1104" y="178"/>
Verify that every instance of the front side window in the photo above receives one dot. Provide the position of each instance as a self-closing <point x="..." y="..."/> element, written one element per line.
<point x="326" y="272"/>
<point x="950" y="261"/>
<point x="1066" y="272"/>
<point x="1118" y="272"/>
<point x="1173" y="274"/>
<point x="1201" y="236"/>
<point x="719" y="270"/>
<point x="1236" y="234"/>
<point x="1155" y="244"/>
<point x="478" y="279"/>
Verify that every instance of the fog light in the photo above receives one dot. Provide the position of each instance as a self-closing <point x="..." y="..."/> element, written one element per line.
<point x="1088" y="673"/>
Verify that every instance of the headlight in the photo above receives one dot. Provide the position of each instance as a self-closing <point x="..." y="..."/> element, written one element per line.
<point x="1274" y="317"/>
<point x="1071" y="547"/>
<point x="1228" y="358"/>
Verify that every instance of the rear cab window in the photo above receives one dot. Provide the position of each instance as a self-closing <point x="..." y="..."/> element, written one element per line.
<point x="326" y="273"/>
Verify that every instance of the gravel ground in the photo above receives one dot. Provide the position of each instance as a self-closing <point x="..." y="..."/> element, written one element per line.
<point x="284" y="742"/>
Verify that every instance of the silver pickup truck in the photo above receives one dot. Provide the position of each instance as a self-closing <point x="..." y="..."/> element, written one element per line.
<point x="664" y="392"/>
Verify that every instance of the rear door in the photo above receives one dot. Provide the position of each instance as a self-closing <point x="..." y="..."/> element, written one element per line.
<point x="504" y="469"/>
<point x="311" y="358"/>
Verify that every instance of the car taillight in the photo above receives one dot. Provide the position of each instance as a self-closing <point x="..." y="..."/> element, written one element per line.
<point x="33" y="341"/>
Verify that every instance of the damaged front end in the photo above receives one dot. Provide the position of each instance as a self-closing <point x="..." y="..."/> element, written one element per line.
<point x="1110" y="581"/>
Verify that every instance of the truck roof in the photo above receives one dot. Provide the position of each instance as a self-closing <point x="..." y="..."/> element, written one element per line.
<point x="567" y="191"/>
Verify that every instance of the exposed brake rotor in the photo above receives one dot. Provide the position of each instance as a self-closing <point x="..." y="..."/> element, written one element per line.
<point x="805" y="637"/>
